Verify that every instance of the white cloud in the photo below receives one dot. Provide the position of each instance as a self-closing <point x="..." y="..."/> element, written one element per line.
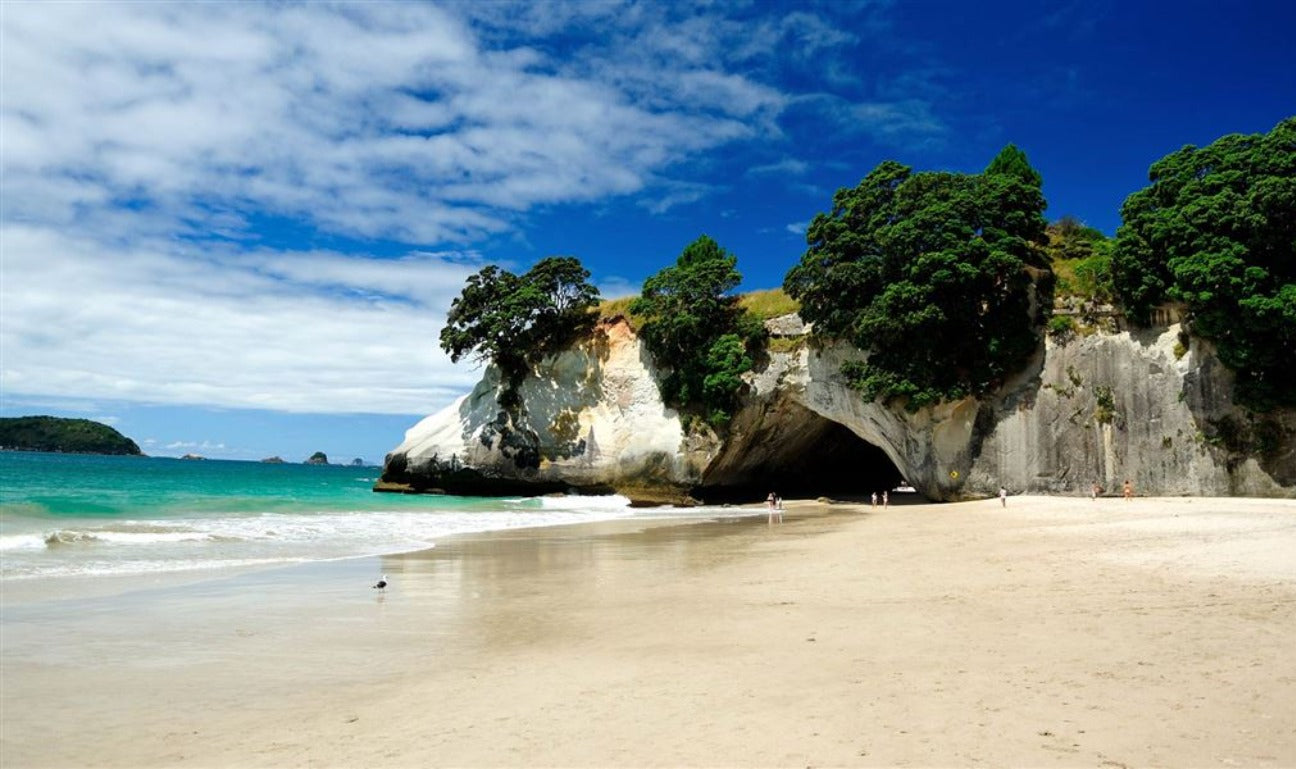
<point x="204" y="445"/>
<point x="136" y="132"/>
<point x="797" y="228"/>
<point x="144" y="145"/>
<point x="906" y="122"/>
<point x="783" y="168"/>
<point x="298" y="332"/>
<point x="391" y="120"/>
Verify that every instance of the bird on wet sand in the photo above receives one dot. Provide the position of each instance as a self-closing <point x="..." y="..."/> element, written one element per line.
<point x="381" y="584"/>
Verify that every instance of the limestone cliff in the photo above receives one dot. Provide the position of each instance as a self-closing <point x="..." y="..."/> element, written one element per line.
<point x="1100" y="408"/>
<point x="592" y="420"/>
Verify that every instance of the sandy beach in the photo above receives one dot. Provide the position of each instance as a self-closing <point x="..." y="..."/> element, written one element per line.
<point x="1050" y="632"/>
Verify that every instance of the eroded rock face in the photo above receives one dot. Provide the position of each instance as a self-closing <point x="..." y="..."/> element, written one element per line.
<point x="1099" y="409"/>
<point x="592" y="421"/>
<point x="1136" y="405"/>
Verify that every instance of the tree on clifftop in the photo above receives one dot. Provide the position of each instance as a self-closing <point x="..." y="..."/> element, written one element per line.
<point x="1011" y="161"/>
<point x="1216" y="230"/>
<point x="927" y="272"/>
<point x="514" y="321"/>
<point x="694" y="327"/>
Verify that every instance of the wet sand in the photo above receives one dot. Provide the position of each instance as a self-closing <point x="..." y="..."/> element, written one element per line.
<point x="1052" y="632"/>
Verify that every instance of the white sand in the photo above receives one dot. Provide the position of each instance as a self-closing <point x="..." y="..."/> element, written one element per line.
<point x="1053" y="632"/>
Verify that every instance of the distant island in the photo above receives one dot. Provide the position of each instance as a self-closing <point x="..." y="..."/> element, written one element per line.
<point x="318" y="458"/>
<point x="276" y="460"/>
<point x="69" y="436"/>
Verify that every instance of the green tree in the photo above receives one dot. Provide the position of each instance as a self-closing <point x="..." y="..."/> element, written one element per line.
<point x="513" y="321"/>
<point x="1011" y="161"/>
<point x="726" y="361"/>
<point x="928" y="273"/>
<point x="1216" y="230"/>
<point x="695" y="328"/>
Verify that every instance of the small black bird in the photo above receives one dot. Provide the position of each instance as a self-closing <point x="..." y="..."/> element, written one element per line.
<point x="381" y="584"/>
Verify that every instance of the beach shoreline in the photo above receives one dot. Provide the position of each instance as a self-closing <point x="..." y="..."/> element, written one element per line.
<point x="1064" y="631"/>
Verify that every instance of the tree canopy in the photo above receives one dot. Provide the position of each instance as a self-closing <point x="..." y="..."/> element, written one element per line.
<point x="1011" y="161"/>
<point x="1216" y="230"/>
<point x="513" y="321"/>
<point x="696" y="329"/>
<point x="927" y="272"/>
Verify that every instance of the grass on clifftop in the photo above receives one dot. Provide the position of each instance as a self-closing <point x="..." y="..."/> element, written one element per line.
<point x="766" y="304"/>
<point x="770" y="303"/>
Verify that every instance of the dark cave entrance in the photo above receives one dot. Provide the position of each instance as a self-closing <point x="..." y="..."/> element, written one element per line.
<point x="815" y="458"/>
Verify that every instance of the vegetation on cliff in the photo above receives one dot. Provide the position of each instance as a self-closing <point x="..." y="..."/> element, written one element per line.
<point x="73" y="436"/>
<point x="1081" y="260"/>
<point x="763" y="305"/>
<point x="513" y="321"/>
<point x="1216" y="230"/>
<point x="929" y="273"/>
<point x="935" y="274"/>
<point x="697" y="330"/>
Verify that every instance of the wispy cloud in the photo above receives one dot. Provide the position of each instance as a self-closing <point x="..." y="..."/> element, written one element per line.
<point x="786" y="167"/>
<point x="298" y="332"/>
<point x="203" y="445"/>
<point x="908" y="123"/>
<point x="372" y="120"/>
<point x="146" y="145"/>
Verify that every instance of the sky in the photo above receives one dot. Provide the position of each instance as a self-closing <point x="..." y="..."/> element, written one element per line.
<point x="234" y="229"/>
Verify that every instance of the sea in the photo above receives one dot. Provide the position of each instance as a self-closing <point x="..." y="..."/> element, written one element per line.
<point x="74" y="516"/>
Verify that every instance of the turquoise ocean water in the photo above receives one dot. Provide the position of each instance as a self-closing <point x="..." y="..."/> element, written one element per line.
<point x="77" y="516"/>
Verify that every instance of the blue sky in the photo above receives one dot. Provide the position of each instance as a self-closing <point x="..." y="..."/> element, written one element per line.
<point x="234" y="229"/>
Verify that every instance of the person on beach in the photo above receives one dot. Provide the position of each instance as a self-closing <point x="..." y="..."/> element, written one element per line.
<point x="886" y="500"/>
<point x="1128" y="490"/>
<point x="769" y="502"/>
<point x="1095" y="491"/>
<point x="874" y="500"/>
<point x="1003" y="496"/>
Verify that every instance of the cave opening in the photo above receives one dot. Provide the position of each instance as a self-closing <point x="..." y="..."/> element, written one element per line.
<point x="815" y="458"/>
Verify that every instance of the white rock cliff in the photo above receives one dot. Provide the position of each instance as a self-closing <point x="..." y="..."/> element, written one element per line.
<point x="1099" y="409"/>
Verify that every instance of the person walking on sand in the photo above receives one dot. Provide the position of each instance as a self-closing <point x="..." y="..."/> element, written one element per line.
<point x="1095" y="491"/>
<point x="1128" y="490"/>
<point x="886" y="500"/>
<point x="1003" y="496"/>
<point x="775" y="508"/>
<point x="874" y="500"/>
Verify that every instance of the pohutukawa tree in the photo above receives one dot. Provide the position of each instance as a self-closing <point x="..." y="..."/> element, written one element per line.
<point x="928" y="272"/>
<point x="514" y="321"/>
<point x="1216" y="230"/>
<point x="695" y="328"/>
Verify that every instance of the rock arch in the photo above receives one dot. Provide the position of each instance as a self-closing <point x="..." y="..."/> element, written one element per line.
<point x="795" y="452"/>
